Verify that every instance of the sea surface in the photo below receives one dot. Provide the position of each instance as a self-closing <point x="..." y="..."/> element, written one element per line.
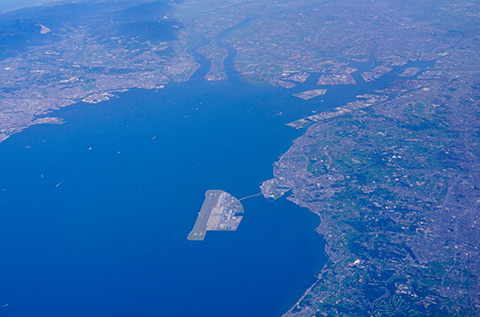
<point x="95" y="213"/>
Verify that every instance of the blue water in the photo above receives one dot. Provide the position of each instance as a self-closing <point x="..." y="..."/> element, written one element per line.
<point x="94" y="214"/>
<point x="110" y="240"/>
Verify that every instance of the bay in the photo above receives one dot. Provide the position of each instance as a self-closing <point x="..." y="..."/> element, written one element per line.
<point x="94" y="214"/>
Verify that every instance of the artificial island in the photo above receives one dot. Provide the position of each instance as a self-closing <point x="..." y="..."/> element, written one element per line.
<point x="220" y="212"/>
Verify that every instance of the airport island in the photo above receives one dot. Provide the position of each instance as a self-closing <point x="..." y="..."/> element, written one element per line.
<point x="219" y="213"/>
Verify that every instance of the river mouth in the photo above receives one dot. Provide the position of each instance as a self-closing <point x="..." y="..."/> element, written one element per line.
<point x="228" y="63"/>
